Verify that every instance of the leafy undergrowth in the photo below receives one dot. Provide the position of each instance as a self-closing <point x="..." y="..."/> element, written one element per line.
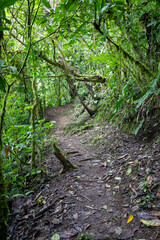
<point x="113" y="194"/>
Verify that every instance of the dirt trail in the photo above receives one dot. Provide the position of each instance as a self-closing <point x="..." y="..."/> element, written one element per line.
<point x="99" y="196"/>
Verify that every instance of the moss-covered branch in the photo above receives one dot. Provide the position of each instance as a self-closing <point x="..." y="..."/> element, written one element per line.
<point x="67" y="165"/>
<point x="72" y="73"/>
<point x="139" y="64"/>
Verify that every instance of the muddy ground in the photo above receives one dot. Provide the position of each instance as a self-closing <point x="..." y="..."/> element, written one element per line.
<point x="114" y="191"/>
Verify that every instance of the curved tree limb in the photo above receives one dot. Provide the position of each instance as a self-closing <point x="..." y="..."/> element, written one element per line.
<point x="71" y="72"/>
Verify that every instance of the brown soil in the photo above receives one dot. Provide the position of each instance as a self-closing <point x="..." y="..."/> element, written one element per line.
<point x="117" y="177"/>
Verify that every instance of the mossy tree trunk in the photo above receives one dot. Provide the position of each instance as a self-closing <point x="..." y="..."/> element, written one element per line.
<point x="3" y="190"/>
<point x="34" y="116"/>
<point x="67" y="165"/>
<point x="33" y="156"/>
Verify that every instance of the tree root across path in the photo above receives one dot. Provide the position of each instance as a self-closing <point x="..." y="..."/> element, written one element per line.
<point x="67" y="165"/>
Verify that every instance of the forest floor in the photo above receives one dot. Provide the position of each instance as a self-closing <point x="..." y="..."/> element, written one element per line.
<point x="114" y="191"/>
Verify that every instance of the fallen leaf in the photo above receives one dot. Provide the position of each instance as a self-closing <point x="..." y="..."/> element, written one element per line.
<point x="55" y="237"/>
<point x="130" y="233"/>
<point x="130" y="219"/>
<point x="125" y="215"/>
<point x="104" y="164"/>
<point x="135" y="208"/>
<point x="29" y="202"/>
<point x="153" y="222"/>
<point x="156" y="213"/>
<point x="129" y="171"/>
<point x="158" y="195"/>
<point x="118" y="178"/>
<point x="75" y="216"/>
<point x="116" y="187"/>
<point x="104" y="207"/>
<point x="107" y="185"/>
<point x="145" y="216"/>
<point x="72" y="237"/>
<point x="149" y="179"/>
<point x="118" y="230"/>
<point x="71" y="192"/>
<point x="86" y="227"/>
<point x="123" y="156"/>
<point x="91" y="207"/>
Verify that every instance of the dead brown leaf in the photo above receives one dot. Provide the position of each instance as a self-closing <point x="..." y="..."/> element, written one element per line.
<point x="72" y="237"/>
<point x="156" y="213"/>
<point x="86" y="227"/>
<point x="75" y="216"/>
<point x="123" y="156"/>
<point x="149" y="179"/>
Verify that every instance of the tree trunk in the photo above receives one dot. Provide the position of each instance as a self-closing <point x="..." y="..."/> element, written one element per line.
<point x="90" y="111"/>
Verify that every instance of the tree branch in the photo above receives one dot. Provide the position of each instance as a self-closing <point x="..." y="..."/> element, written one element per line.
<point x="70" y="72"/>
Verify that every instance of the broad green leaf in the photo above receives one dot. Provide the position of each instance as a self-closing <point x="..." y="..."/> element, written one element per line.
<point x="104" y="30"/>
<point x="125" y="88"/>
<point x="145" y="96"/>
<point x="6" y="3"/>
<point x="42" y="20"/>
<point x="55" y="237"/>
<point x="2" y="84"/>
<point x="7" y="20"/>
<point x="13" y="68"/>
<point x="18" y="195"/>
<point x="139" y="126"/>
<point x="153" y="85"/>
<point x="46" y="4"/>
<point x="71" y="5"/>
<point x="2" y="63"/>
<point x="157" y="91"/>
<point x="129" y="171"/>
<point x="27" y="193"/>
<point x="104" y="8"/>
<point x="159" y="67"/>
<point x="4" y="28"/>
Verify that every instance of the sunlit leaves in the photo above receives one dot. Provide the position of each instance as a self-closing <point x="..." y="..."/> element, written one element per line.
<point x="46" y="4"/>
<point x="104" y="30"/>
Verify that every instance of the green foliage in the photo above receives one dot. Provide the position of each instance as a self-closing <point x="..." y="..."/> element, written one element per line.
<point x="2" y="84"/>
<point x="18" y="138"/>
<point x="114" y="40"/>
<point x="4" y="3"/>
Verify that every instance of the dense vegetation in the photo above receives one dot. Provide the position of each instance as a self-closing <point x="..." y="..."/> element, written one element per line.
<point x="105" y="53"/>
